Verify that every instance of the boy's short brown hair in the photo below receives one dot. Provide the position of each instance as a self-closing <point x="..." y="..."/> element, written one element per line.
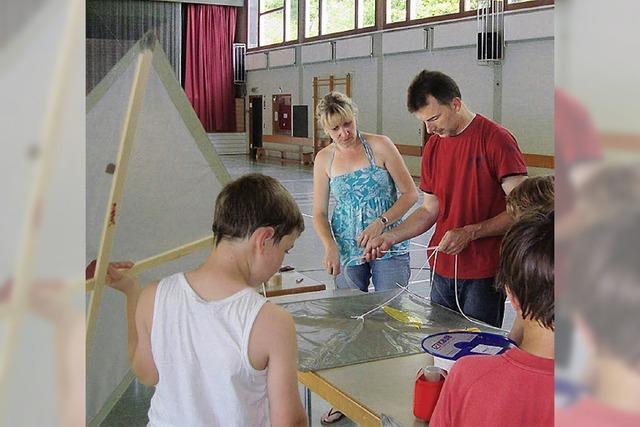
<point x="526" y="266"/>
<point x="254" y="201"/>
<point x="534" y="193"/>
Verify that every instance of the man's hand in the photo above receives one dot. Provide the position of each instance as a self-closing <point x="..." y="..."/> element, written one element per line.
<point x="456" y="240"/>
<point x="377" y="246"/>
<point x="331" y="261"/>
<point x="373" y="230"/>
<point x="118" y="279"/>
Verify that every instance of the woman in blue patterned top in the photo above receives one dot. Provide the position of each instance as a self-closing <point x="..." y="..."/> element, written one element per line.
<point x="364" y="173"/>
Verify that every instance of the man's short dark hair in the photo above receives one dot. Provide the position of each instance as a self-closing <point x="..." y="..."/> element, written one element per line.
<point x="434" y="83"/>
<point x="254" y="201"/>
<point x="526" y="266"/>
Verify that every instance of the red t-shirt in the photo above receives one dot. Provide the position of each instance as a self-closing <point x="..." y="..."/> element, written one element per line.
<point x="577" y="142"/>
<point x="589" y="412"/>
<point x="465" y="172"/>
<point x="512" y="389"/>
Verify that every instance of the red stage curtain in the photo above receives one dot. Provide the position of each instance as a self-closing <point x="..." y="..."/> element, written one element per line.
<point x="209" y="65"/>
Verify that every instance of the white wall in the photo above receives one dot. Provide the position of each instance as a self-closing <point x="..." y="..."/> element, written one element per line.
<point x="522" y="99"/>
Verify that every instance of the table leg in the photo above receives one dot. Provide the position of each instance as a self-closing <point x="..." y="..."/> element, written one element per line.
<point x="307" y="402"/>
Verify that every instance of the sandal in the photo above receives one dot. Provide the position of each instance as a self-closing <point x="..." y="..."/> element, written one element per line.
<point x="331" y="417"/>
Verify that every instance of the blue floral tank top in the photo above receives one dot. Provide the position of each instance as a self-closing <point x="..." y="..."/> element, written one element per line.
<point x="361" y="197"/>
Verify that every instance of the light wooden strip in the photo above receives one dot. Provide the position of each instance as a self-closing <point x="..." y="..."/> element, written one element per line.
<point x="620" y="141"/>
<point x="539" y="161"/>
<point x="409" y="150"/>
<point x="49" y="137"/>
<point x="134" y="105"/>
<point x="532" y="160"/>
<point x="170" y="255"/>
<point x="357" y="412"/>
<point x="286" y="139"/>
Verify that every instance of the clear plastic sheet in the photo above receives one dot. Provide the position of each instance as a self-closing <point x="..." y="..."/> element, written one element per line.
<point x="328" y="337"/>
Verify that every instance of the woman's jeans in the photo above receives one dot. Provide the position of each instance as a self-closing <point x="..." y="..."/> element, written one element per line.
<point x="384" y="273"/>
<point x="478" y="298"/>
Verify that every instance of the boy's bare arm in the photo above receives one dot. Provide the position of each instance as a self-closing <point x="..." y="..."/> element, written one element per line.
<point x="285" y="407"/>
<point x="142" y="363"/>
<point x="139" y="312"/>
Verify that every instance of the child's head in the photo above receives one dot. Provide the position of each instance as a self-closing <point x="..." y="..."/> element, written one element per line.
<point x="257" y="206"/>
<point x="534" y="193"/>
<point x="525" y="270"/>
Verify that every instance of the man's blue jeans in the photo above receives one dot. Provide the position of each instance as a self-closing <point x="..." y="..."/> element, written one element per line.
<point x="478" y="298"/>
<point x="383" y="272"/>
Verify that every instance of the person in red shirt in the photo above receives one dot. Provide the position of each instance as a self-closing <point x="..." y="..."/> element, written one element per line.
<point x="602" y="298"/>
<point x="469" y="165"/>
<point x="514" y="388"/>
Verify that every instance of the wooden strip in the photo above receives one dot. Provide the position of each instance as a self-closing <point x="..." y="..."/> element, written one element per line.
<point x="18" y="302"/>
<point x="621" y="141"/>
<point x="539" y="161"/>
<point x="134" y="105"/>
<point x="357" y="412"/>
<point x="286" y="139"/>
<point x="293" y="291"/>
<point x="409" y="150"/>
<point x="170" y="255"/>
<point x="532" y="160"/>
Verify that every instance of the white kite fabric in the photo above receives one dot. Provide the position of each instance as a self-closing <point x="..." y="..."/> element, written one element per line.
<point x="172" y="180"/>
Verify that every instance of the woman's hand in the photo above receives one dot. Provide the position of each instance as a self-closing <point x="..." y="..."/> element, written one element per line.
<point x="331" y="261"/>
<point x="372" y="231"/>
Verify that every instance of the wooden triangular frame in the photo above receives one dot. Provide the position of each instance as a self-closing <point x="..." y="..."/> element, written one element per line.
<point x="17" y="307"/>
<point x="147" y="53"/>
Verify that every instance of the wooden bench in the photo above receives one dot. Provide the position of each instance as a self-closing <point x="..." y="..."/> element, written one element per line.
<point x="288" y="144"/>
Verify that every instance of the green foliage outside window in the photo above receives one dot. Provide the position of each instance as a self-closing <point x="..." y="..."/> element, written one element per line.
<point x="396" y="11"/>
<point x="368" y="13"/>
<point x="292" y="28"/>
<point x="271" y="26"/>
<point x="338" y="15"/>
<point x="429" y="8"/>
<point x="267" y="5"/>
<point x="312" y="21"/>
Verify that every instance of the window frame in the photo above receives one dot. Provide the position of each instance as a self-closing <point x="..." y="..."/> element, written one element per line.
<point x="379" y="23"/>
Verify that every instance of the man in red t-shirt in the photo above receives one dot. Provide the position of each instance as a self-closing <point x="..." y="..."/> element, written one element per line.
<point x="516" y="387"/>
<point x="469" y="165"/>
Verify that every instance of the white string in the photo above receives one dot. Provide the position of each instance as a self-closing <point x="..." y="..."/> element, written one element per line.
<point x="362" y="316"/>
<point x="403" y="289"/>
<point x="455" y="284"/>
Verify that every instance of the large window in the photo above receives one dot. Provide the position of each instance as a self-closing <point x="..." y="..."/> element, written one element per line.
<point x="274" y="22"/>
<point x="325" y="17"/>
<point x="277" y="21"/>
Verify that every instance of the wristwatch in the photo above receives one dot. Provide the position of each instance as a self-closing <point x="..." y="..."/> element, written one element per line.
<point x="384" y="220"/>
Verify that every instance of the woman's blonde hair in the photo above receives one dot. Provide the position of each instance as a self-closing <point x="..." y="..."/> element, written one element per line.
<point x="335" y="108"/>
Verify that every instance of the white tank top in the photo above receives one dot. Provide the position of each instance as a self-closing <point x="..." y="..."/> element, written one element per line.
<point x="201" y="351"/>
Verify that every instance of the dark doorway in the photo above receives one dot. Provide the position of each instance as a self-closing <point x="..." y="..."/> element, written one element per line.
<point x="255" y="125"/>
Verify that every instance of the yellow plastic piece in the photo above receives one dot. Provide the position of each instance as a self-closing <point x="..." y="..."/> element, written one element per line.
<point x="471" y="329"/>
<point x="403" y="316"/>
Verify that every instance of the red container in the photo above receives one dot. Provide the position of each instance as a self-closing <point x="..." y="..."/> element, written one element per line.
<point x="425" y="396"/>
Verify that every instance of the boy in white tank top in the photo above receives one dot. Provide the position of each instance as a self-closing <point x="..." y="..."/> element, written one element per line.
<point x="218" y="353"/>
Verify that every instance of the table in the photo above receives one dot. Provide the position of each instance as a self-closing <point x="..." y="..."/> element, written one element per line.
<point x="365" y="391"/>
